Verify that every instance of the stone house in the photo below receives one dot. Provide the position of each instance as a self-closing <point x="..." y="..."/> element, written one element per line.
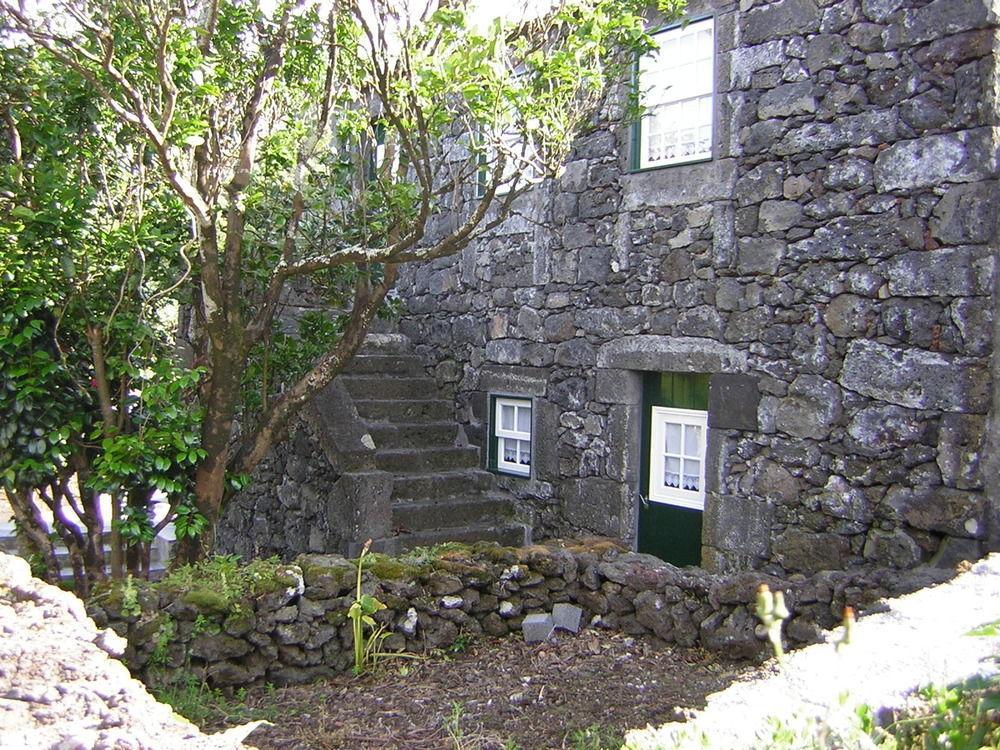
<point x="755" y="329"/>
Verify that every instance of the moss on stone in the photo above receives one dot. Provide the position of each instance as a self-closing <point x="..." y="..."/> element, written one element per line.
<point x="207" y="600"/>
<point x="392" y="568"/>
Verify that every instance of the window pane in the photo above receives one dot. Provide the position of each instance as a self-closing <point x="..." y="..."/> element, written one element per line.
<point x="509" y="450"/>
<point x="692" y="440"/>
<point x="672" y="444"/>
<point x="672" y="472"/>
<point x="691" y="476"/>
<point x="524" y="419"/>
<point x="506" y="417"/>
<point x="525" y="452"/>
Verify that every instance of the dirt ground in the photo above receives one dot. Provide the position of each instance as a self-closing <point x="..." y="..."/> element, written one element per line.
<point x="498" y="694"/>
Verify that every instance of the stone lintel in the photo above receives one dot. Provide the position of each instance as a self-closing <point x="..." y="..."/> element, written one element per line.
<point x="671" y="354"/>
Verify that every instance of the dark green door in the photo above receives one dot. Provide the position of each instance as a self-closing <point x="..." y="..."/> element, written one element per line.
<point x="669" y="531"/>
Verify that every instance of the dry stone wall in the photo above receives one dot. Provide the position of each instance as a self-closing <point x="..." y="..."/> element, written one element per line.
<point x="833" y="268"/>
<point x="299" y="630"/>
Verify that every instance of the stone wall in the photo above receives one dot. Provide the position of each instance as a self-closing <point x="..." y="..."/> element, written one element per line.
<point x="833" y="267"/>
<point x="317" y="491"/>
<point x="297" y="630"/>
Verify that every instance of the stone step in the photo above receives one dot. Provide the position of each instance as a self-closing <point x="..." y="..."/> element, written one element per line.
<point x="506" y="534"/>
<point x="406" y="434"/>
<point x="427" y="515"/>
<point x="423" y="486"/>
<point x="385" y="364"/>
<point x="405" y="461"/>
<point x="386" y="343"/>
<point x="410" y="410"/>
<point x="398" y="388"/>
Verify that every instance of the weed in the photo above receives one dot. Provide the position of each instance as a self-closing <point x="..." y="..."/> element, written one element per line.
<point x="595" y="737"/>
<point x="130" y="598"/>
<point x="204" y="625"/>
<point x="965" y="716"/>
<point x="162" y="639"/>
<point x="453" y="726"/>
<point x="461" y="643"/>
<point x="366" y="650"/>
<point x="772" y="612"/>
<point x="202" y="705"/>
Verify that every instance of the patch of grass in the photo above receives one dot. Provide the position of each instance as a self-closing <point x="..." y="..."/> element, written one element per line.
<point x="960" y="717"/>
<point x="595" y="737"/>
<point x="205" y="706"/>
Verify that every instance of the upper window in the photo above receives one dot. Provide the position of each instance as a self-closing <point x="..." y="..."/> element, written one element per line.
<point x="511" y="435"/>
<point x="677" y="457"/>
<point x="677" y="83"/>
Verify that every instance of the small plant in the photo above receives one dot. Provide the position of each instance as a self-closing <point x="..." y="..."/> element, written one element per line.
<point x="164" y="636"/>
<point x="204" y="706"/>
<point x="453" y="725"/>
<point x="771" y="611"/>
<point x="130" y="598"/>
<point x="366" y="650"/>
<point x="960" y="717"/>
<point x="595" y="737"/>
<point x="461" y="643"/>
<point x="848" y="635"/>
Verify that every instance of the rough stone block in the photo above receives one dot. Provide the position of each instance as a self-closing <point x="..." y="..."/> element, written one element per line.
<point x="926" y="162"/>
<point x="733" y="401"/>
<point x="915" y="378"/>
<point x="537" y="628"/>
<point x="566" y="617"/>
<point x="785" y="18"/>
<point x="968" y="213"/>
<point x="937" y="273"/>
<point x="596" y="504"/>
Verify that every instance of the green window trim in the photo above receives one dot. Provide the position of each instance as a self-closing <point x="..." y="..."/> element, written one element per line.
<point x="635" y="145"/>
<point x="511" y="442"/>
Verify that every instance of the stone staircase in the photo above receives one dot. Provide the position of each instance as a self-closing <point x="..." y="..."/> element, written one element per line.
<point x="440" y="493"/>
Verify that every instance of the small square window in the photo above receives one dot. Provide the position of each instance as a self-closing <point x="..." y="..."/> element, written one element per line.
<point x="510" y="435"/>
<point x="677" y="82"/>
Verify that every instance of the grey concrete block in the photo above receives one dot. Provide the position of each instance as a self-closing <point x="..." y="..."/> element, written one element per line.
<point x="566" y="617"/>
<point x="537" y="628"/>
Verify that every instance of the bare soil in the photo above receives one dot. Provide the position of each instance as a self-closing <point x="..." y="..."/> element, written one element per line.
<point x="498" y="694"/>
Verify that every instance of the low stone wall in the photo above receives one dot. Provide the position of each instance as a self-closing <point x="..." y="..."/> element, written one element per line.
<point x="298" y="630"/>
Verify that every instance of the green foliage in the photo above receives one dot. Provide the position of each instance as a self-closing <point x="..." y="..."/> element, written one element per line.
<point x="205" y="706"/>
<point x="220" y="583"/>
<point x="595" y="737"/>
<point x="960" y="717"/>
<point x="165" y="634"/>
<point x="130" y="598"/>
<point x="988" y="629"/>
<point x="361" y="611"/>
<point x="463" y="641"/>
<point x="89" y="247"/>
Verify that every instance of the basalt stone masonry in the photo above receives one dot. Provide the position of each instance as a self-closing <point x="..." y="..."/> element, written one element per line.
<point x="832" y="269"/>
<point x="297" y="630"/>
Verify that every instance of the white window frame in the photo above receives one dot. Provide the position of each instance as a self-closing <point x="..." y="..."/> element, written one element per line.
<point x="501" y="435"/>
<point x="659" y="492"/>
<point x="692" y="92"/>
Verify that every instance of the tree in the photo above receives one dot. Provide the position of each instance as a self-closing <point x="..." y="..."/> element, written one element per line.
<point x="328" y="142"/>
<point x="90" y="402"/>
